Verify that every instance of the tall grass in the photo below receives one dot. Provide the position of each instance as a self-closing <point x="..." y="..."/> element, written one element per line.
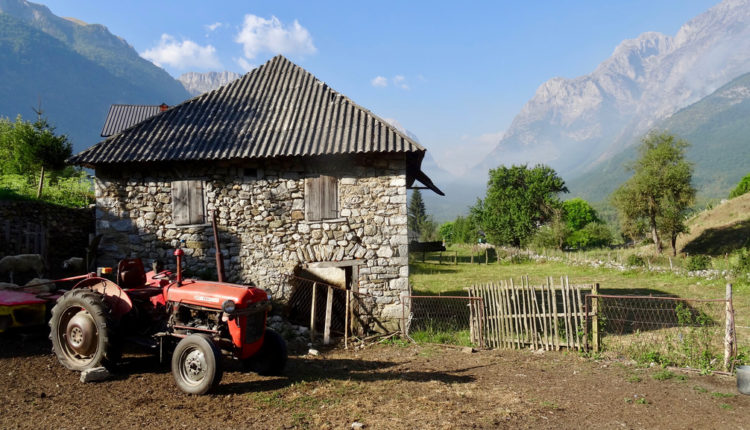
<point x="74" y="191"/>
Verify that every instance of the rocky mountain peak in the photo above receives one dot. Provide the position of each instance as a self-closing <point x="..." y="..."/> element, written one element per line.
<point x="572" y="124"/>
<point x="199" y="83"/>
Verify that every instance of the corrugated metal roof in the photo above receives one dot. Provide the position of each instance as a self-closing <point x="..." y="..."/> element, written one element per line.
<point x="121" y="117"/>
<point x="278" y="109"/>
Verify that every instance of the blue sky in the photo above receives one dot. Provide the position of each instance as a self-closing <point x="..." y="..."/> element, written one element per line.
<point x="453" y="73"/>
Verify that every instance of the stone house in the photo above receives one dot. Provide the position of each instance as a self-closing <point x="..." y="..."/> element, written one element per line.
<point x="300" y="177"/>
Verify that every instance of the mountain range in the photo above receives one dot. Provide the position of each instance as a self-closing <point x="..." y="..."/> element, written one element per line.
<point x="74" y="71"/>
<point x="199" y="83"/>
<point x="574" y="124"/>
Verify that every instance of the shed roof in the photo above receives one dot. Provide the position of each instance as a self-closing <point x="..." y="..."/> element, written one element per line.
<point x="278" y="109"/>
<point x="121" y="117"/>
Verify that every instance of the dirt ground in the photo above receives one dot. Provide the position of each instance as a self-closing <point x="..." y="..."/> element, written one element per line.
<point x="394" y="386"/>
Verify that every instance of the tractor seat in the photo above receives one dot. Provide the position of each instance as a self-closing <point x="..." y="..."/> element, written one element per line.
<point x="130" y="274"/>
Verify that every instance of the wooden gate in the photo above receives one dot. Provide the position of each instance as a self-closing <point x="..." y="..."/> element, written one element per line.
<point x="548" y="316"/>
<point x="22" y="238"/>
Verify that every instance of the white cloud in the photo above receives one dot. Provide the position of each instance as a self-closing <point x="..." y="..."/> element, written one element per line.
<point x="182" y="55"/>
<point x="379" y="81"/>
<point x="246" y="65"/>
<point x="214" y="26"/>
<point x="271" y="35"/>
<point x="400" y="81"/>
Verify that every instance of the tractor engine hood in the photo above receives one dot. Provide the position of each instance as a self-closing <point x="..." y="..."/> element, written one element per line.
<point x="213" y="294"/>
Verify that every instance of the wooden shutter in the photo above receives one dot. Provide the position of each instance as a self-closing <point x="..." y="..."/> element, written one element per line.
<point x="187" y="202"/>
<point x="195" y="202"/>
<point x="312" y="199"/>
<point x="180" y="199"/>
<point x="329" y="197"/>
<point x="321" y="198"/>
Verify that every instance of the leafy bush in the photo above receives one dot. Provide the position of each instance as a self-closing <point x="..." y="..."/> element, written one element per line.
<point x="742" y="188"/>
<point x="593" y="235"/>
<point x="740" y="261"/>
<point x="698" y="262"/>
<point x="635" y="260"/>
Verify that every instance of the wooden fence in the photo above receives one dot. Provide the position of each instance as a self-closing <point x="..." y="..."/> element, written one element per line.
<point x="549" y="316"/>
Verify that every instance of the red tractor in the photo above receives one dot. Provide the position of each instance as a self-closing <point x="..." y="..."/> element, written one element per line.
<point x="195" y="320"/>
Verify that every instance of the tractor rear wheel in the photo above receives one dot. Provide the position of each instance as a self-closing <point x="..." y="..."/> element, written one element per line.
<point x="82" y="332"/>
<point x="270" y="360"/>
<point x="196" y="364"/>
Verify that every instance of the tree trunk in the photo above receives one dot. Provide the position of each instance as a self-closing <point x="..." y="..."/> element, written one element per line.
<point x="674" y="245"/>
<point x="655" y="237"/>
<point x="41" y="184"/>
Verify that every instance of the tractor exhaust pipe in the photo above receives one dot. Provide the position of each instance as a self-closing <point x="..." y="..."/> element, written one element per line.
<point x="219" y="258"/>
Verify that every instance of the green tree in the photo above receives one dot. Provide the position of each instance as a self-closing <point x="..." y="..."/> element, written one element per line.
<point x="445" y="231"/>
<point x="578" y="213"/>
<point x="741" y="188"/>
<point x="660" y="191"/>
<point x="518" y="200"/>
<point x="29" y="147"/>
<point x="464" y="230"/>
<point x="416" y="213"/>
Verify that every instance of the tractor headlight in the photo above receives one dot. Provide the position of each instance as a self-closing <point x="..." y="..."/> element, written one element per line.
<point x="228" y="306"/>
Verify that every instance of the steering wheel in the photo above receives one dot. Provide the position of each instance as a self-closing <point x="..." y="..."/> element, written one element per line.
<point x="164" y="274"/>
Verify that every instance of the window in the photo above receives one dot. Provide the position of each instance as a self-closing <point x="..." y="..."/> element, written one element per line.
<point x="187" y="202"/>
<point x="321" y="198"/>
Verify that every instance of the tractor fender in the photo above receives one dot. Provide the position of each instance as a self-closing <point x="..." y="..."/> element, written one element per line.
<point x="117" y="299"/>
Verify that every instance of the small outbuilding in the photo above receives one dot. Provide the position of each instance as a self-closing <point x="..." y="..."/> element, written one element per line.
<point x="299" y="176"/>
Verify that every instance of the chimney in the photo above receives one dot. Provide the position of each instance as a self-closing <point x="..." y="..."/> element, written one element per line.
<point x="163" y="107"/>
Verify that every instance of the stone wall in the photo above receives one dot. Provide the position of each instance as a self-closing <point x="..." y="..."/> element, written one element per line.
<point x="64" y="232"/>
<point x="261" y="218"/>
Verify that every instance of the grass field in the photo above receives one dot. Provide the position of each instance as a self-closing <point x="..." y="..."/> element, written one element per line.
<point x="432" y="278"/>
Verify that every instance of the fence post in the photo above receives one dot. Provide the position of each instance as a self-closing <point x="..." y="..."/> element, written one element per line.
<point x="729" y="329"/>
<point x="329" y="310"/>
<point x="595" y="317"/>
<point x="312" y="312"/>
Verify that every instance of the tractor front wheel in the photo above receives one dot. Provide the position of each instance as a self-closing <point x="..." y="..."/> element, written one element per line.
<point x="81" y="331"/>
<point x="196" y="364"/>
<point x="270" y="360"/>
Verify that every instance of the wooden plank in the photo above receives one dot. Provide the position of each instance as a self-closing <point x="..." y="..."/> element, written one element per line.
<point x="578" y="314"/>
<point x="516" y="311"/>
<point x="553" y="300"/>
<point x="581" y="318"/>
<point x="492" y="301"/>
<point x="346" y="320"/>
<point x="595" y="317"/>
<point x="566" y="311"/>
<point x="513" y="312"/>
<point x="504" y="331"/>
<point x="527" y="313"/>
<point x="312" y="311"/>
<point x="544" y="319"/>
<point x="196" y="209"/>
<point x="532" y="308"/>
<point x="507" y="314"/>
<point x="180" y="214"/>
<point x="535" y="316"/>
<point x="491" y="315"/>
<point x="329" y="197"/>
<point x="329" y="310"/>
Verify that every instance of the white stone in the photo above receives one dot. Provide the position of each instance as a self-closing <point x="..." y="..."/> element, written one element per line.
<point x="385" y="252"/>
<point x="95" y="374"/>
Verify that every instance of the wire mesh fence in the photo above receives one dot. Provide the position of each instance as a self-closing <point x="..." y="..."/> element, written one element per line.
<point x="450" y="320"/>
<point x="349" y="312"/>
<point x="665" y="330"/>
